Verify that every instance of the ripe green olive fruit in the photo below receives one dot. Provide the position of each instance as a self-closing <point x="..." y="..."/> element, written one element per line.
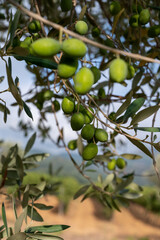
<point x="16" y="42"/>
<point x="95" y="32"/>
<point x="26" y="42"/>
<point x="81" y="27"/>
<point x="134" y="19"/>
<point x="68" y="105"/>
<point x="118" y="70"/>
<point x="96" y="72"/>
<point x="137" y="8"/>
<point x="83" y="80"/>
<point x="56" y="105"/>
<point x="144" y="16"/>
<point x="77" y="121"/>
<point x="67" y="67"/>
<point x="87" y="132"/>
<point x="48" y="94"/>
<point x="131" y="72"/>
<point x="108" y="42"/>
<point x="72" y="145"/>
<point x="45" y="47"/>
<point x="101" y="135"/>
<point x="66" y="5"/>
<point x="90" y="151"/>
<point x="79" y="108"/>
<point x="114" y="7"/>
<point x="88" y="117"/>
<point x="154" y="31"/>
<point x="112" y="164"/>
<point x="112" y="116"/>
<point x="34" y="26"/>
<point x="121" y="163"/>
<point x="101" y="93"/>
<point x="74" y="47"/>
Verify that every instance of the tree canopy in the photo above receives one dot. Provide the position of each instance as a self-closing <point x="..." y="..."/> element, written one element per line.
<point x="81" y="54"/>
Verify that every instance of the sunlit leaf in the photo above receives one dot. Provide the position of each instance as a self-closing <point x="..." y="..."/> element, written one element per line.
<point x="18" y="236"/>
<point x="130" y="156"/>
<point x="47" y="228"/>
<point x="19" y="222"/>
<point x="43" y="236"/>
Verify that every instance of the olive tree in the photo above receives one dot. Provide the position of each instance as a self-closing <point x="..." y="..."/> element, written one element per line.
<point x="79" y="53"/>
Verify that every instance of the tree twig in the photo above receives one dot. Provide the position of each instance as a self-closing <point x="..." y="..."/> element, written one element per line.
<point x="84" y="39"/>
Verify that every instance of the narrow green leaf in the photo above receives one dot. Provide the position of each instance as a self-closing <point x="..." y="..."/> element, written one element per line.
<point x="33" y="214"/>
<point x="4" y="218"/>
<point x="141" y="146"/>
<point x="14" y="25"/>
<point x="42" y="206"/>
<point x="145" y="113"/>
<point x="27" y="110"/>
<point x="43" y="236"/>
<point x="116" y="20"/>
<point x="46" y="63"/>
<point x="25" y="197"/>
<point x="18" y="223"/>
<point x="148" y="129"/>
<point x="13" y="88"/>
<point x="108" y="179"/>
<point x="5" y="115"/>
<point x="18" y="236"/>
<point x="2" y="78"/>
<point x="2" y="228"/>
<point x="124" y="183"/>
<point x="19" y="167"/>
<point x="10" y="65"/>
<point x="37" y="157"/>
<point x="47" y="228"/>
<point x="30" y="143"/>
<point x="3" y="107"/>
<point x="82" y="13"/>
<point x="132" y="195"/>
<point x="131" y="156"/>
<point x="124" y="106"/>
<point x="137" y="78"/>
<point x="157" y="146"/>
<point x="133" y="108"/>
<point x="80" y="145"/>
<point x="81" y="191"/>
<point x="115" y="205"/>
